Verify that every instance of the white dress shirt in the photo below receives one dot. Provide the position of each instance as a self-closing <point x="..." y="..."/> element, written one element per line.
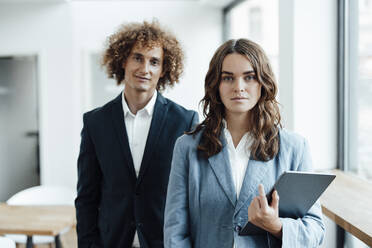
<point x="238" y="157"/>
<point x="137" y="127"/>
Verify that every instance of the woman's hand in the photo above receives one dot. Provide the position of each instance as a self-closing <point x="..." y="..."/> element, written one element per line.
<point x="266" y="216"/>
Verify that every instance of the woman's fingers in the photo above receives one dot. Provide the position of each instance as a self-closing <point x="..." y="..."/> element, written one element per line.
<point x="253" y="209"/>
<point x="275" y="201"/>
<point x="261" y="190"/>
<point x="256" y="203"/>
<point x="260" y="212"/>
<point x="262" y="197"/>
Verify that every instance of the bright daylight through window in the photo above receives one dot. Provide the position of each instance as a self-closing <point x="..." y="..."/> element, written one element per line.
<point x="360" y="89"/>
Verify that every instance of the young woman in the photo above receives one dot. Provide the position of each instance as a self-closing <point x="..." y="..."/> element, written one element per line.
<point x="221" y="170"/>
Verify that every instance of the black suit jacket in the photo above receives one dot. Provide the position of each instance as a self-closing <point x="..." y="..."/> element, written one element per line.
<point x="112" y="202"/>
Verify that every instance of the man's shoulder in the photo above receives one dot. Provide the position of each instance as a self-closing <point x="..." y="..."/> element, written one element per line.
<point x="103" y="111"/>
<point x="177" y="109"/>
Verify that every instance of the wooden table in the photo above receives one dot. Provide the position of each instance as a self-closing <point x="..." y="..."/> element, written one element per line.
<point x="348" y="202"/>
<point x="36" y="220"/>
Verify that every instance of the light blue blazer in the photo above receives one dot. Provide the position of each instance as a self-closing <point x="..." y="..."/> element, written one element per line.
<point x="202" y="209"/>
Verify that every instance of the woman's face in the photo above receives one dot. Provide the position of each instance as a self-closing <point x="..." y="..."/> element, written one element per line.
<point x="239" y="88"/>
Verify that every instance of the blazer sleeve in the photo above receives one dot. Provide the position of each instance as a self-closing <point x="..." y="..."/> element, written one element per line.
<point x="309" y="230"/>
<point x="88" y="191"/>
<point x="176" y="216"/>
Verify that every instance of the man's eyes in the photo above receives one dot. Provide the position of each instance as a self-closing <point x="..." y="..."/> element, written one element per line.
<point x="137" y="58"/>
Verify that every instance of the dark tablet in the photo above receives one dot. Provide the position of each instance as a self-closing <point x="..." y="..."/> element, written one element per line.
<point x="298" y="191"/>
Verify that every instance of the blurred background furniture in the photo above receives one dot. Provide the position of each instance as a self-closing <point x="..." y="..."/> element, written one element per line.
<point x="7" y="243"/>
<point x="42" y="196"/>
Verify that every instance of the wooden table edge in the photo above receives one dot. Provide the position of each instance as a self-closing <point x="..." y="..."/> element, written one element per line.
<point x="69" y="224"/>
<point x="340" y="221"/>
<point x="358" y="233"/>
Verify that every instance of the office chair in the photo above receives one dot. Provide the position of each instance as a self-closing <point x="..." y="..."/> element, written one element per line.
<point x="7" y="243"/>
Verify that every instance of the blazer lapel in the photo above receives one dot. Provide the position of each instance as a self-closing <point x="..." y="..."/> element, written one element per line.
<point x="121" y="133"/>
<point x="157" y="122"/>
<point x="254" y="174"/>
<point x="221" y="167"/>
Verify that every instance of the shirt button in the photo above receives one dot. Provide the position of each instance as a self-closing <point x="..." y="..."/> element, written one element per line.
<point x="238" y="228"/>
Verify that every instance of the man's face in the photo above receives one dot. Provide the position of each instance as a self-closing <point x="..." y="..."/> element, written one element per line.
<point x="143" y="68"/>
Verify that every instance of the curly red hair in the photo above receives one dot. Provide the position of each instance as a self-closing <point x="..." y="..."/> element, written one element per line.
<point x="148" y="35"/>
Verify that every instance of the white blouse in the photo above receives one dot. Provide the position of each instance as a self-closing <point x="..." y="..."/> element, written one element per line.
<point x="239" y="158"/>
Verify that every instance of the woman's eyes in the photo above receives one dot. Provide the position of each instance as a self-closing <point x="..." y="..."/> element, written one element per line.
<point x="227" y="78"/>
<point x="246" y="78"/>
<point x="250" y="77"/>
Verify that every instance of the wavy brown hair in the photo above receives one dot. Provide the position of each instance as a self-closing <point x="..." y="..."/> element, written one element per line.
<point x="148" y="35"/>
<point x="264" y="116"/>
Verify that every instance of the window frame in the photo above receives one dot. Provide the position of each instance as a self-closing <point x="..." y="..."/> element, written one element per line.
<point x="225" y="23"/>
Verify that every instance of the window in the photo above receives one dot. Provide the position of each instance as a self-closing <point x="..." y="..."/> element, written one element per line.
<point x="358" y="90"/>
<point x="355" y="110"/>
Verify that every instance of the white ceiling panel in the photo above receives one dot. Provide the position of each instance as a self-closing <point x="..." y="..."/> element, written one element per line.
<point x="33" y="1"/>
<point x="214" y="3"/>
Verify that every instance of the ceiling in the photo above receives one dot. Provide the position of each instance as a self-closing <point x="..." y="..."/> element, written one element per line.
<point x="215" y="3"/>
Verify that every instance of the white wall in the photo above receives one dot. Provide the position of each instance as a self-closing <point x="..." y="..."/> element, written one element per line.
<point x="45" y="30"/>
<point x="62" y="33"/>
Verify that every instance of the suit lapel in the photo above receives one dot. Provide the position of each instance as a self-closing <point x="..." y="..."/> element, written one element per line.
<point x="157" y="122"/>
<point x="221" y="167"/>
<point x="121" y="133"/>
<point x="254" y="174"/>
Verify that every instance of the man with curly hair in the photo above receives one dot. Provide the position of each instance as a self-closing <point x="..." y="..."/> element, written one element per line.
<point x="127" y="145"/>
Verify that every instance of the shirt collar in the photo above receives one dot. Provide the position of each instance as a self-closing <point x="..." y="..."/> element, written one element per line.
<point x="246" y="140"/>
<point x="149" y="108"/>
<point x="227" y="133"/>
